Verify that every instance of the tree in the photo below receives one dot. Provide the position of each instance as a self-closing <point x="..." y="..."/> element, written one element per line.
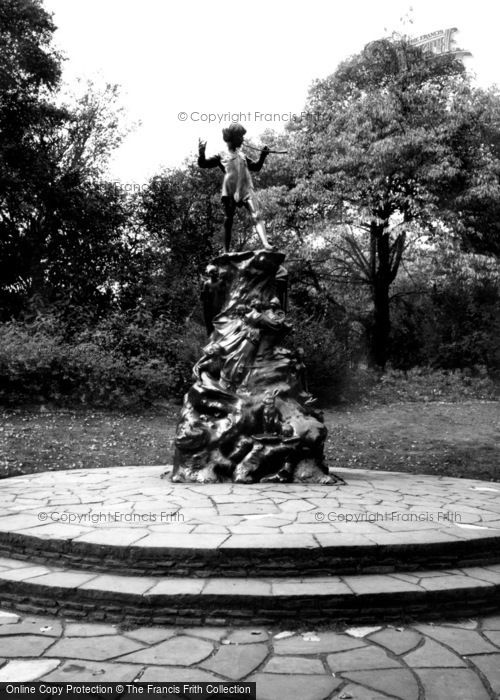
<point x="29" y="74"/>
<point x="176" y="221"/>
<point x="82" y="216"/>
<point x="396" y="139"/>
<point x="59" y="226"/>
<point x="478" y="206"/>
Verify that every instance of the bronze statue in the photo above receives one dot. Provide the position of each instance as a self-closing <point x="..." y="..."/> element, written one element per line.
<point x="248" y="416"/>
<point x="237" y="186"/>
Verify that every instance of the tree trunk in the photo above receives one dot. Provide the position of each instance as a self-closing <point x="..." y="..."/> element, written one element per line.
<point x="381" y="282"/>
<point x="385" y="258"/>
<point x="381" y="325"/>
<point x="37" y="268"/>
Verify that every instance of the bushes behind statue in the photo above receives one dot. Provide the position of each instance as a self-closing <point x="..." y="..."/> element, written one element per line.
<point x="121" y="362"/>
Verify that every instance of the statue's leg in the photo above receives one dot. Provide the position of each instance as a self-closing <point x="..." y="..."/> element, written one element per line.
<point x="229" y="209"/>
<point x="258" y="222"/>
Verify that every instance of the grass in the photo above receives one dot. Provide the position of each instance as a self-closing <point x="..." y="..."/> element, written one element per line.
<point x="453" y="439"/>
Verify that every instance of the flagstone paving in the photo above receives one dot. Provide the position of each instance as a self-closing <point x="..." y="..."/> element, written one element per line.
<point x="130" y="514"/>
<point x="87" y="543"/>
<point x="457" y="659"/>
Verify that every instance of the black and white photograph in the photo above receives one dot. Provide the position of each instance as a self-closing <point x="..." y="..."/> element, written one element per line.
<point x="249" y="350"/>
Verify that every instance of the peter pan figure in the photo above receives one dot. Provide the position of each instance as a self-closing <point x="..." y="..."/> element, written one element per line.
<point x="237" y="186"/>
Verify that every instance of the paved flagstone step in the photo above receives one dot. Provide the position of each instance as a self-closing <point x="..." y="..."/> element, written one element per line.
<point x="128" y="518"/>
<point x="44" y="589"/>
<point x="272" y="554"/>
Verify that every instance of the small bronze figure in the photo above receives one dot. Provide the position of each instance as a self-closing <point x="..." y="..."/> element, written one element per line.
<point x="275" y="311"/>
<point x="237" y="186"/>
<point x="301" y="370"/>
<point x="282" y="287"/>
<point x="210" y="364"/>
<point x="270" y="418"/>
<point x="240" y="347"/>
<point x="212" y="296"/>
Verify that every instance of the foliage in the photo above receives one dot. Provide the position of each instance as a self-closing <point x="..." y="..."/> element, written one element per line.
<point x="398" y="151"/>
<point x="331" y="351"/>
<point x="429" y="384"/>
<point x="120" y="362"/>
<point x="477" y="217"/>
<point x="396" y="137"/>
<point x="455" y="325"/>
<point x="169" y="240"/>
<point x="446" y="310"/>
<point x="60" y="229"/>
<point x="177" y="210"/>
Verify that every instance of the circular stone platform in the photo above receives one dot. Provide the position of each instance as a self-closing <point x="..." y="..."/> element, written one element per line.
<point x="123" y="545"/>
<point x="376" y="523"/>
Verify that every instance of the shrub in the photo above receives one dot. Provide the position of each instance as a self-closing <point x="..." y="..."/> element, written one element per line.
<point x="429" y="384"/>
<point x="455" y="324"/>
<point x="329" y="359"/>
<point x="98" y="367"/>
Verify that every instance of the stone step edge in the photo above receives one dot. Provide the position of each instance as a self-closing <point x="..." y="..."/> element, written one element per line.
<point x="66" y="587"/>
<point x="267" y="560"/>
